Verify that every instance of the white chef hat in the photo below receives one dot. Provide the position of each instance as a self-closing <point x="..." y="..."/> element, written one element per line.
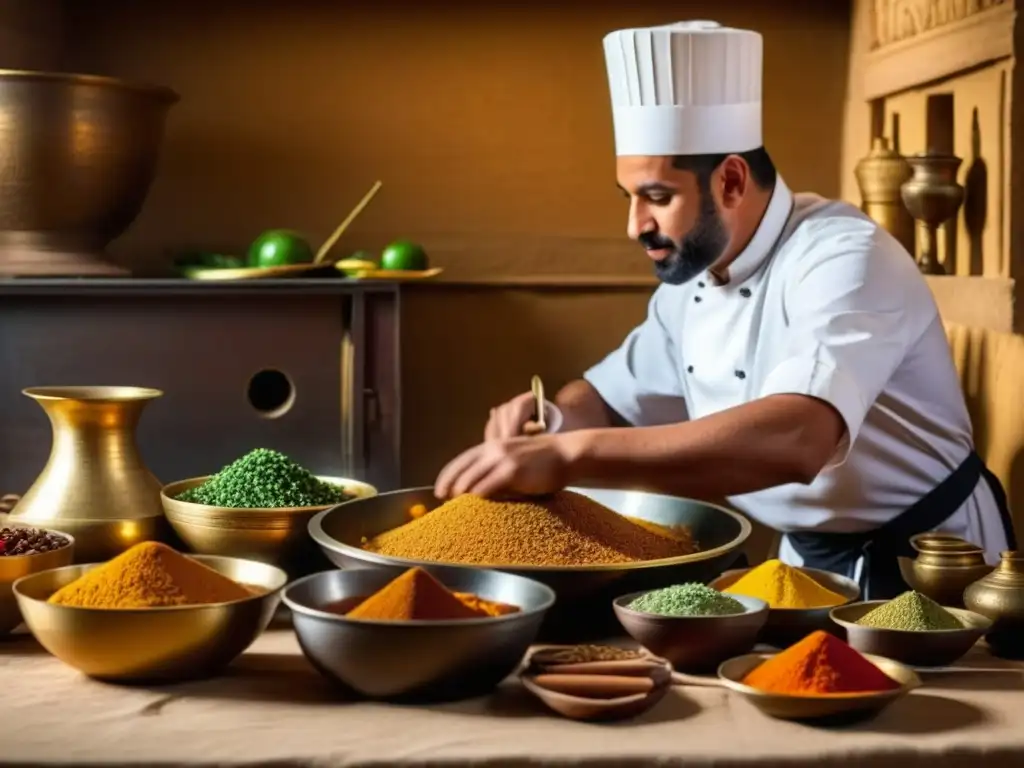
<point x="690" y="88"/>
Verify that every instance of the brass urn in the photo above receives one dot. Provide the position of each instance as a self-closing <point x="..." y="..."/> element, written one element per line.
<point x="95" y="485"/>
<point x="880" y="177"/>
<point x="933" y="196"/>
<point x="944" y="567"/>
<point x="1000" y="597"/>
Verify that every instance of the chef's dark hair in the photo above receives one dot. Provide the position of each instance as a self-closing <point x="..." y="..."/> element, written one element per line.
<point x="761" y="166"/>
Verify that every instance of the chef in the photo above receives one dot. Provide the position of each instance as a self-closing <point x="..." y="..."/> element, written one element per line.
<point x="792" y="360"/>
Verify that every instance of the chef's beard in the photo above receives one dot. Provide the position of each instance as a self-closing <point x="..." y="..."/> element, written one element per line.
<point x="701" y="248"/>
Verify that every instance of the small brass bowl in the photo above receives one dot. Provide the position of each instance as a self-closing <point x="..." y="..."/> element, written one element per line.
<point x="277" y="536"/>
<point x="99" y="540"/>
<point x="14" y="567"/>
<point x="837" y="706"/>
<point x="786" y="626"/>
<point x="944" y="567"/>
<point x="936" y="648"/>
<point x="143" y="645"/>
<point x="694" y="643"/>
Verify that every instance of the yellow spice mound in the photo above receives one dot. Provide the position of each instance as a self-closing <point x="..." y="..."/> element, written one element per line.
<point x="565" y="528"/>
<point x="149" y="575"/>
<point x="782" y="586"/>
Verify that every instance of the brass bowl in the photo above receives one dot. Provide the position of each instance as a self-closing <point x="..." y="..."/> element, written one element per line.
<point x="694" y="643"/>
<point x="786" y="626"/>
<point x="80" y="153"/>
<point x="143" y="645"/>
<point x="275" y="536"/>
<point x="936" y="648"/>
<point x="14" y="567"/>
<point x="840" y="706"/>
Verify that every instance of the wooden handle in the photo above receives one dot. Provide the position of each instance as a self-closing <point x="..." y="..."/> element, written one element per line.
<point x="329" y="243"/>
<point x="595" y="686"/>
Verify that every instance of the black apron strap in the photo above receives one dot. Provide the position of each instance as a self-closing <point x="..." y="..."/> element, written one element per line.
<point x="880" y="577"/>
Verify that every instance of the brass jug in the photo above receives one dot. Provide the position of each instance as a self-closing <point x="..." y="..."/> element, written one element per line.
<point x="95" y="485"/>
<point x="1000" y="597"/>
<point x="933" y="196"/>
<point x="880" y="177"/>
<point x="944" y="567"/>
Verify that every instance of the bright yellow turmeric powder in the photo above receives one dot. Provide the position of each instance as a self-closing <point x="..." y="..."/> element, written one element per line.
<point x="783" y="586"/>
<point x="149" y="575"/>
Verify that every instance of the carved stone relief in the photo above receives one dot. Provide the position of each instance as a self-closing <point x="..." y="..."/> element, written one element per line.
<point x="896" y="20"/>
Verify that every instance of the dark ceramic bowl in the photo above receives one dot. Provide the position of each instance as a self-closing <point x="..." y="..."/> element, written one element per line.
<point x="937" y="648"/>
<point x="694" y="643"/>
<point x="786" y="626"/>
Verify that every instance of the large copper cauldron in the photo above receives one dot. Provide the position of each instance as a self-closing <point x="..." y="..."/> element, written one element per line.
<point x="77" y="156"/>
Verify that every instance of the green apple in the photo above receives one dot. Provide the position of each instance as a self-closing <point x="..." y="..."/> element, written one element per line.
<point x="404" y="255"/>
<point x="279" y="248"/>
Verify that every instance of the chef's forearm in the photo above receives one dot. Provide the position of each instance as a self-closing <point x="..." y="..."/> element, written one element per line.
<point x="762" y="444"/>
<point x="582" y="407"/>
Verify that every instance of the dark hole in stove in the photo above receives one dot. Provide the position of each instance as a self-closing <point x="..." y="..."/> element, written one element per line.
<point x="271" y="393"/>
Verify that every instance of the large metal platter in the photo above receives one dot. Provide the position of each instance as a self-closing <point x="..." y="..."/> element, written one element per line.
<point x="584" y="592"/>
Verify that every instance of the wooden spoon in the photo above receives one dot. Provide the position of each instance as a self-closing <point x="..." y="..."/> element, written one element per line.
<point x="330" y="241"/>
<point x="540" y="424"/>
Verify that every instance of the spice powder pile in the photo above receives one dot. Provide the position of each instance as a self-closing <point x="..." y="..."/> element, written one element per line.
<point x="911" y="612"/>
<point x="820" y="664"/>
<point x="564" y="529"/>
<point x="783" y="586"/>
<point x="149" y="575"/>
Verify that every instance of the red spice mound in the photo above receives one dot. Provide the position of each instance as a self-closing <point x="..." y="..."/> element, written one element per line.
<point x="414" y="595"/>
<point x="819" y="664"/>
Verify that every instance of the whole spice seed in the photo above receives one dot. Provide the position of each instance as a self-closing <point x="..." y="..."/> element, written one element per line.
<point x="912" y="612"/>
<point x="687" y="600"/>
<point x="580" y="654"/>
<point x="565" y="528"/>
<point x="29" y="541"/>
<point x="265" y="479"/>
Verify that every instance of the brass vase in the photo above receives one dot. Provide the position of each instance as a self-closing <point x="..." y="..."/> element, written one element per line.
<point x="1000" y="597"/>
<point x="880" y="175"/>
<point x="95" y="485"/>
<point x="944" y="567"/>
<point x="933" y="196"/>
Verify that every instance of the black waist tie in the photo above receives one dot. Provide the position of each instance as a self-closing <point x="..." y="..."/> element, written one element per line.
<point x="880" y="577"/>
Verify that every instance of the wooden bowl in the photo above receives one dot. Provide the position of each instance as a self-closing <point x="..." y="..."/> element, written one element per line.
<point x="935" y="648"/>
<point x="786" y="626"/>
<point x="694" y="643"/>
<point x="838" y="706"/>
<point x="591" y="706"/>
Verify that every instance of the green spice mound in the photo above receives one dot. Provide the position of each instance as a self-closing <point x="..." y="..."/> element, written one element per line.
<point x="264" y="479"/>
<point x="912" y="612"/>
<point x="687" y="600"/>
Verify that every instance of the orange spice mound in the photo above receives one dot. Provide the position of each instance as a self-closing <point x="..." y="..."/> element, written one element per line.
<point x="414" y="595"/>
<point x="490" y="607"/>
<point x="563" y="529"/>
<point x="149" y="575"/>
<point x="819" y="664"/>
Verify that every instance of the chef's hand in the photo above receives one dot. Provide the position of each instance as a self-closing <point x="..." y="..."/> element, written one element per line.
<point x="528" y="466"/>
<point x="508" y="419"/>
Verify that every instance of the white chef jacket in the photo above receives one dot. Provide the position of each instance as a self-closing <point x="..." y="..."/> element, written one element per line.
<point x="822" y="302"/>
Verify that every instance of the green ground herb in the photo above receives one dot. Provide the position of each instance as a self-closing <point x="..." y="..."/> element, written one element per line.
<point x="687" y="600"/>
<point x="265" y="479"/>
<point x="911" y="612"/>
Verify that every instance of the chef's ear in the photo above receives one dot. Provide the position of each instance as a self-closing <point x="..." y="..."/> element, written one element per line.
<point x="734" y="180"/>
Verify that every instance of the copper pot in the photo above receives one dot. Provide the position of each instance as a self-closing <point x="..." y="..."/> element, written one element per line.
<point x="77" y="156"/>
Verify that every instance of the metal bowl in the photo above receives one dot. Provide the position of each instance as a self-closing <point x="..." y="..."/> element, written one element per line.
<point x="171" y="644"/>
<point x="786" y="626"/>
<point x="694" y="643"/>
<point x="275" y="536"/>
<point x="585" y="593"/>
<point x="920" y="649"/>
<point x="415" y="660"/>
<point x="14" y="567"/>
<point x="80" y="153"/>
<point x="836" y="707"/>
